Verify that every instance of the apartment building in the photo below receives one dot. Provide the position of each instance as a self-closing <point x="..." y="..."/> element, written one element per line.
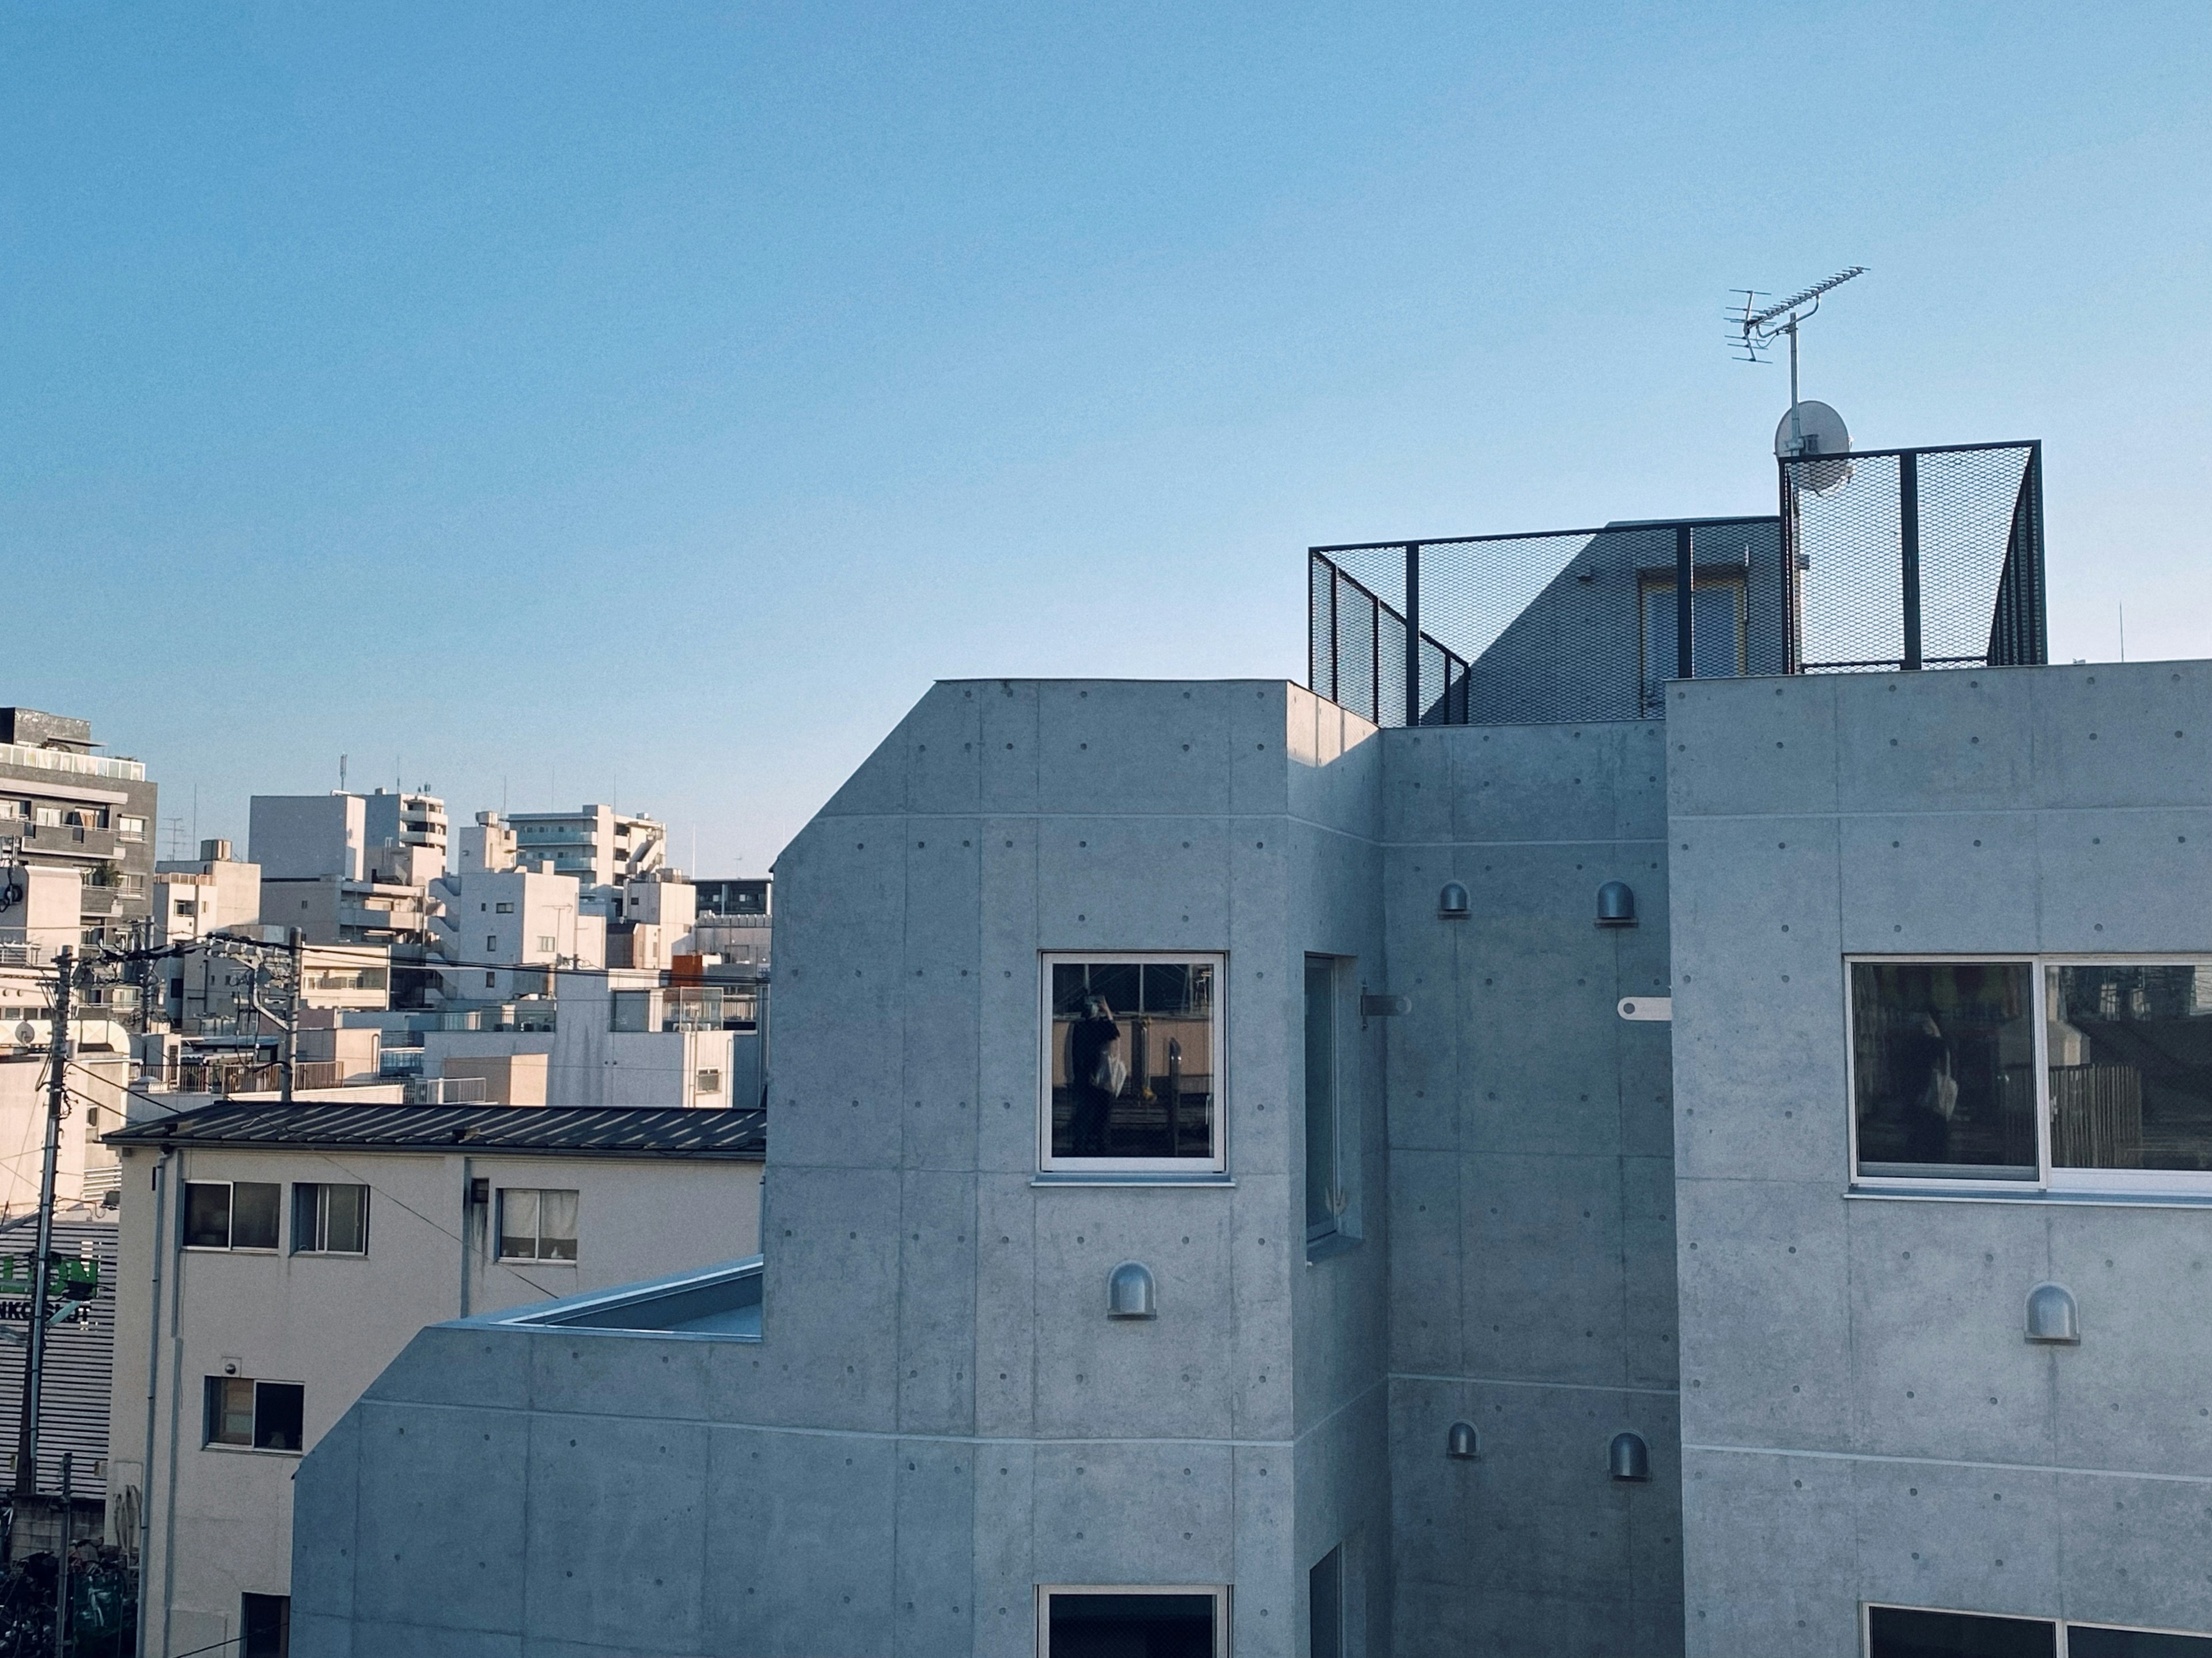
<point x="1664" y="1109"/>
<point x="62" y="806"/>
<point x="271" y="1260"/>
<point x="597" y="845"/>
<point x="352" y="869"/>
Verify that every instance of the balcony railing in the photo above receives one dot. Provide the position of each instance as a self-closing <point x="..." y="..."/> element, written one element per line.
<point x="1898" y="559"/>
<point x="84" y="765"/>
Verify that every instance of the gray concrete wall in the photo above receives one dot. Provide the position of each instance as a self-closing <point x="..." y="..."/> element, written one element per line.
<point x="939" y="1417"/>
<point x="1863" y="1421"/>
<point x="1530" y="1145"/>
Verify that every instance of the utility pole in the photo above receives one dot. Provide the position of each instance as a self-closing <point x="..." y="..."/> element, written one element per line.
<point x="27" y="1432"/>
<point x="292" y="1012"/>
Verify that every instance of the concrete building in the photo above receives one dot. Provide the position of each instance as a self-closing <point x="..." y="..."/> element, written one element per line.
<point x="354" y="869"/>
<point x="612" y="1038"/>
<point x="294" y="1251"/>
<point x="64" y="807"/>
<point x="306" y="837"/>
<point x="1546" y="1153"/>
<point x="212" y="893"/>
<point x="416" y="822"/>
<point x="500" y="933"/>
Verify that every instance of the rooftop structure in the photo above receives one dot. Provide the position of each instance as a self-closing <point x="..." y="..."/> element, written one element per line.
<point x="1881" y="560"/>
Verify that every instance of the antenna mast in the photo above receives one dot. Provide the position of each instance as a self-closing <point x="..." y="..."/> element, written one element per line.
<point x="1756" y="328"/>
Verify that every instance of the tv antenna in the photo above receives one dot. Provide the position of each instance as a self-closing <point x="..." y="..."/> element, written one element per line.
<point x="1756" y="328"/>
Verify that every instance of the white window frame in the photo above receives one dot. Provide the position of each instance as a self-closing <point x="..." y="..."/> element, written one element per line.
<point x="2059" y="1625"/>
<point x="2049" y="1179"/>
<point x="1167" y="1170"/>
<point x="1221" y="1591"/>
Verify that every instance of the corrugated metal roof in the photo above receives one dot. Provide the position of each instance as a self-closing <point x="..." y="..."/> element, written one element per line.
<point x="595" y="1131"/>
<point x="73" y="1405"/>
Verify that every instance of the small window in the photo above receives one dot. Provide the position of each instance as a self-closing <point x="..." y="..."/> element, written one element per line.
<point x="491" y="942"/>
<point x="709" y="1082"/>
<point x="127" y="825"/>
<point x="547" y="941"/>
<point x="505" y="909"/>
<point x="188" y="906"/>
<point x="1132" y="1064"/>
<point x="262" y="1416"/>
<point x="491" y="980"/>
<point x="330" y="1220"/>
<point x="536" y="1225"/>
<point x="1093" y="1622"/>
<point x="1325" y="1199"/>
<point x="46" y="816"/>
<point x="230" y="1215"/>
<point x="265" y="1626"/>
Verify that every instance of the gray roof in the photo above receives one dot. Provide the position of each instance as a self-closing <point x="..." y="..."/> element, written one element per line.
<point x="583" y="1131"/>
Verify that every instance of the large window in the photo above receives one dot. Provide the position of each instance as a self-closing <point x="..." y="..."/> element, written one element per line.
<point x="1133" y="1623"/>
<point x="1132" y="1064"/>
<point x="231" y="1214"/>
<point x="2065" y="1074"/>
<point x="1911" y="1633"/>
<point x="262" y="1416"/>
<point x="330" y="1220"/>
<point x="536" y="1225"/>
<point x="1325" y="1199"/>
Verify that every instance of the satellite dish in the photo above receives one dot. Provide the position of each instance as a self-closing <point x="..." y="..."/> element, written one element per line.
<point x="1819" y="430"/>
<point x="27" y="1033"/>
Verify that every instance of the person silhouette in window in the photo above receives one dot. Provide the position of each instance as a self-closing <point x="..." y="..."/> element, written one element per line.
<point x="1933" y="1081"/>
<point x="1095" y="1074"/>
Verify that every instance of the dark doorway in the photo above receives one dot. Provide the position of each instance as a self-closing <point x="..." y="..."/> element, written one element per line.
<point x="1168" y="1623"/>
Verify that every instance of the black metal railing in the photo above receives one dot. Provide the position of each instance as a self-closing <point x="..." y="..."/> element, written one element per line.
<point x="1902" y="558"/>
<point x="1917" y="558"/>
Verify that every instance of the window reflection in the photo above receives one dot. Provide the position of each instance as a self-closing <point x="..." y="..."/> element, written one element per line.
<point x="1944" y="1063"/>
<point x="2130" y="1057"/>
<point x="1132" y="1060"/>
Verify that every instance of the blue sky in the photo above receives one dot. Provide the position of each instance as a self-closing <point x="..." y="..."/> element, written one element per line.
<point x="583" y="402"/>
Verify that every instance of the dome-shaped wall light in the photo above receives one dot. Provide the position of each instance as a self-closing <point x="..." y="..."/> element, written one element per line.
<point x="1616" y="904"/>
<point x="1460" y="1444"/>
<point x="1628" y="1459"/>
<point x="2052" y="1317"/>
<point x="1130" y="1292"/>
<point x="1451" y="902"/>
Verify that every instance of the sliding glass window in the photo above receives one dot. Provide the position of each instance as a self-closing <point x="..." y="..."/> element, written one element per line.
<point x="2065" y="1074"/>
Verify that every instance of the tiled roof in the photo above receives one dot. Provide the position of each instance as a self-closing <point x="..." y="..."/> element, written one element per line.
<point x="594" y="1131"/>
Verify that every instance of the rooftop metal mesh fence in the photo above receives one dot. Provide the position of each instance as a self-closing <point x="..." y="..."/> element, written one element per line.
<point x="1895" y="559"/>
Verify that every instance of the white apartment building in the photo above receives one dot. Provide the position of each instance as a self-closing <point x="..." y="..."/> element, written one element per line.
<point x="618" y="1038"/>
<point x="212" y="894"/>
<point x="597" y="845"/>
<point x="501" y="931"/>
<point x="272" y="1259"/>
